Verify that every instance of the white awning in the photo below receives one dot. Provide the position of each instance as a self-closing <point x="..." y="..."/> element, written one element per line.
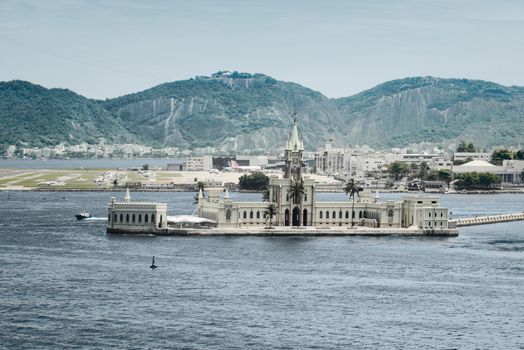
<point x="180" y="219"/>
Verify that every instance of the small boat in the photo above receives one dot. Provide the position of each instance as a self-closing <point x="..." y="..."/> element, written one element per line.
<point x="83" y="215"/>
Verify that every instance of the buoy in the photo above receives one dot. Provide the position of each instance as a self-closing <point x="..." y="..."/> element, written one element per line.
<point x="153" y="266"/>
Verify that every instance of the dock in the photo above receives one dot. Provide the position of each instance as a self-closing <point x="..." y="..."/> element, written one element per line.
<point x="487" y="219"/>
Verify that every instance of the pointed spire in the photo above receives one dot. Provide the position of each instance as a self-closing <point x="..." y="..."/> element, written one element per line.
<point x="294" y="143"/>
<point x="226" y="195"/>
<point x="127" y="198"/>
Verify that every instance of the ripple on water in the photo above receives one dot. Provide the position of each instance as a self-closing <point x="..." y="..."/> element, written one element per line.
<point x="65" y="284"/>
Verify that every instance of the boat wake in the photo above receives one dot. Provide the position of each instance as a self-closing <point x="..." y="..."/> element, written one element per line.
<point x="94" y="218"/>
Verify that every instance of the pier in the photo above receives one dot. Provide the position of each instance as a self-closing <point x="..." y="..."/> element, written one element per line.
<point x="487" y="219"/>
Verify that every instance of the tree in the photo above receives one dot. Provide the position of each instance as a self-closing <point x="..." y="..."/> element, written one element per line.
<point x="265" y="196"/>
<point x="352" y="189"/>
<point x="423" y="170"/>
<point x="256" y="181"/>
<point x="463" y="147"/>
<point x="499" y="155"/>
<point x="445" y="175"/>
<point x="296" y="191"/>
<point x="519" y="155"/>
<point x="477" y="181"/>
<point x="414" y="169"/>
<point x="200" y="187"/>
<point x="271" y="210"/>
<point x="398" y="169"/>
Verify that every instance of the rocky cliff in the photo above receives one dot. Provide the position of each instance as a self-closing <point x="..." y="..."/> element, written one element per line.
<point x="432" y="109"/>
<point x="227" y="110"/>
<point x="241" y="111"/>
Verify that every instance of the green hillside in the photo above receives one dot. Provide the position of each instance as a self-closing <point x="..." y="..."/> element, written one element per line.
<point x="33" y="115"/>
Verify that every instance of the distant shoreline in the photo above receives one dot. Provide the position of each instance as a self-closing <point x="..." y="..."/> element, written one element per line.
<point x="18" y="189"/>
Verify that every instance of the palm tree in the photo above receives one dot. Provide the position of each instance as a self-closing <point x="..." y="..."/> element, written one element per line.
<point x="271" y="210"/>
<point x="200" y="186"/>
<point x="352" y="189"/>
<point x="265" y="196"/>
<point x="296" y="191"/>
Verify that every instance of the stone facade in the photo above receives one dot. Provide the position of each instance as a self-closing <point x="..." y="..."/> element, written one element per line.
<point x="294" y="198"/>
<point x="136" y="217"/>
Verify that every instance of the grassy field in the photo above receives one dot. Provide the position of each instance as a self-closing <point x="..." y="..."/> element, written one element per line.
<point x="56" y="179"/>
<point x="80" y="179"/>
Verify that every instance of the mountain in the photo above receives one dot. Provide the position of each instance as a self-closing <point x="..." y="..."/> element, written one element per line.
<point x="226" y="111"/>
<point x="36" y="116"/>
<point x="241" y="111"/>
<point x="433" y="109"/>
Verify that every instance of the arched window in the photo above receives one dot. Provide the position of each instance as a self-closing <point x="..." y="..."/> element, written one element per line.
<point x="121" y="217"/>
<point x="347" y="214"/>
<point x="334" y="215"/>
<point x="245" y="215"/>
<point x="258" y="214"/>
<point x="320" y="214"/>
<point x="305" y="197"/>
<point x="152" y="217"/>
<point x="228" y="215"/>
<point x="429" y="214"/>
<point x="251" y="214"/>
<point x="352" y="214"/>
<point x="115" y="218"/>
<point x="441" y="214"/>
<point x="360" y="214"/>
<point x="109" y="217"/>
<point x="146" y="218"/>
<point x="140" y="218"/>
<point x="287" y="197"/>
<point x="340" y="214"/>
<point x="133" y="217"/>
<point x="160" y="222"/>
<point x="127" y="217"/>
<point x="327" y="214"/>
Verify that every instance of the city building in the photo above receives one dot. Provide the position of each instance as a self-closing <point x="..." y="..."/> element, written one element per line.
<point x="511" y="172"/>
<point x="467" y="156"/>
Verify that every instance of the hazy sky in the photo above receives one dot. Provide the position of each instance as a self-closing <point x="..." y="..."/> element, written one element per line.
<point x="108" y="48"/>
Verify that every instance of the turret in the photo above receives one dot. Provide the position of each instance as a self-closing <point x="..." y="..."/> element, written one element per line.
<point x="293" y="154"/>
<point x="127" y="197"/>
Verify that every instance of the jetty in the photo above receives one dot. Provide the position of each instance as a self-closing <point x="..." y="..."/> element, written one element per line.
<point x="486" y="219"/>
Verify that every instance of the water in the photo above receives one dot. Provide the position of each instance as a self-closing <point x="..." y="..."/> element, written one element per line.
<point x="66" y="284"/>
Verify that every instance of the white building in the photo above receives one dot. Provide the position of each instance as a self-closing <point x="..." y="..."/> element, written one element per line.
<point x="136" y="217"/>
<point x="294" y="200"/>
<point x="510" y="172"/>
<point x="462" y="156"/>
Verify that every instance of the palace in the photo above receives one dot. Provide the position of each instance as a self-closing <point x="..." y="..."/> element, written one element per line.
<point x="293" y="200"/>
